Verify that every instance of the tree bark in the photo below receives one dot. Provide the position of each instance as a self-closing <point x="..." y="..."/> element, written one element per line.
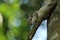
<point x="54" y="24"/>
<point x="43" y="13"/>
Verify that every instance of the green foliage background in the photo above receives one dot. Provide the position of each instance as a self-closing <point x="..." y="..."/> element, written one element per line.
<point x="14" y="20"/>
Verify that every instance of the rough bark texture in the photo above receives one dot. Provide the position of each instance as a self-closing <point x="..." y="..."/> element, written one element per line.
<point x="54" y="24"/>
<point x="43" y="13"/>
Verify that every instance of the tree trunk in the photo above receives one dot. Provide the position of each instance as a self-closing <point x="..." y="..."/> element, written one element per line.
<point x="54" y="24"/>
